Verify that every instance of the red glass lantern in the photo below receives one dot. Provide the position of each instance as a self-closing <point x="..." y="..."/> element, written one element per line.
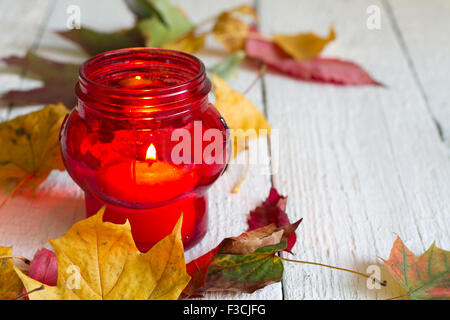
<point x="136" y="108"/>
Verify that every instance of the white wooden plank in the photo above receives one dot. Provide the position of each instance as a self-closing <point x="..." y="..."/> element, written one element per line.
<point x="17" y="38"/>
<point x="59" y="202"/>
<point x="358" y="164"/>
<point x="424" y="29"/>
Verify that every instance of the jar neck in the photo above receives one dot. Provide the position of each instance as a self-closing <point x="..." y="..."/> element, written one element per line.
<point x="142" y="83"/>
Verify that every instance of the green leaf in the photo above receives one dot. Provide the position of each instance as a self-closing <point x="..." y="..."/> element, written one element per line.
<point x="157" y="33"/>
<point x="59" y="81"/>
<point x="246" y="272"/>
<point x="424" y="277"/>
<point x="144" y="9"/>
<point x="95" y="42"/>
<point x="227" y="68"/>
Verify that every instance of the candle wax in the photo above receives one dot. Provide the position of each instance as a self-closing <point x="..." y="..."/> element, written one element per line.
<point x="150" y="184"/>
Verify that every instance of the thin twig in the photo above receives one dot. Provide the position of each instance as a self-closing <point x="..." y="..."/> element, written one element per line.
<point x="27" y="293"/>
<point x="381" y="282"/>
<point x="262" y="69"/>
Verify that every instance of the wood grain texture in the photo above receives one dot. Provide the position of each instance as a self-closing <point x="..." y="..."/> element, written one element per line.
<point x="424" y="31"/>
<point x="358" y="164"/>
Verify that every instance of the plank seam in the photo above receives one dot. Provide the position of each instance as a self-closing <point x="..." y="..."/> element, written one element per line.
<point x="405" y="50"/>
<point x="269" y="143"/>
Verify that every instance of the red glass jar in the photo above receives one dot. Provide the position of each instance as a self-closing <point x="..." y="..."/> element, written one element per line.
<point x="118" y="142"/>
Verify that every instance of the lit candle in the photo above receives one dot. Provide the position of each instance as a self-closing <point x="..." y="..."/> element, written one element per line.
<point x="152" y="182"/>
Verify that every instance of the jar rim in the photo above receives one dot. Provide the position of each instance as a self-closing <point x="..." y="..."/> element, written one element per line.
<point x="168" y="98"/>
<point x="120" y="52"/>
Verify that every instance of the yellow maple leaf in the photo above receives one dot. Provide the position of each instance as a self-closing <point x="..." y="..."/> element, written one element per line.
<point x="241" y="115"/>
<point x="99" y="261"/>
<point x="10" y="284"/>
<point x="190" y="43"/>
<point x="29" y="147"/>
<point x="303" y="46"/>
<point x="232" y="31"/>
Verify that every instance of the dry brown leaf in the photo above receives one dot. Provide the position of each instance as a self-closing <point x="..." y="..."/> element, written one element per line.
<point x="303" y="46"/>
<point x="29" y="147"/>
<point x="231" y="31"/>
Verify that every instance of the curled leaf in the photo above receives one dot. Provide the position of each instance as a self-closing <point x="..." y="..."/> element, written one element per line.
<point x="303" y="46"/>
<point x="273" y="210"/>
<point x="99" y="260"/>
<point x="44" y="267"/>
<point x="424" y="277"/>
<point x="250" y="255"/>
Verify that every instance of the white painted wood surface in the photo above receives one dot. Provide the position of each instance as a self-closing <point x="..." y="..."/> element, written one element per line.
<point x="358" y="164"/>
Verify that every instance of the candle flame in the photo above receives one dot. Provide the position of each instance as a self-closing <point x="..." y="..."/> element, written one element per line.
<point x="138" y="77"/>
<point x="151" y="153"/>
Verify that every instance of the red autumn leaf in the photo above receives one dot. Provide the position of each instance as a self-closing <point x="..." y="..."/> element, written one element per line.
<point x="328" y="70"/>
<point x="424" y="277"/>
<point x="206" y="272"/>
<point x="44" y="268"/>
<point x="272" y="211"/>
<point x="59" y="81"/>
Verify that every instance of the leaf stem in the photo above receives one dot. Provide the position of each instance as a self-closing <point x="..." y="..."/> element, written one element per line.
<point x="16" y="188"/>
<point x="25" y="260"/>
<point x="381" y="282"/>
<point x="245" y="174"/>
<point x="262" y="69"/>
<point x="27" y="293"/>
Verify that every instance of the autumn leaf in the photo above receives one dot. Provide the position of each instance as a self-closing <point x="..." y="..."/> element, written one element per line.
<point x="10" y="284"/>
<point x="327" y="70"/>
<point x="244" y="263"/>
<point x="144" y="9"/>
<point x="156" y="32"/>
<point x="29" y="147"/>
<point x="231" y="31"/>
<point x="273" y="210"/>
<point x="44" y="267"/>
<point x="424" y="277"/>
<point x="59" y="81"/>
<point x="240" y="114"/>
<point x="190" y="43"/>
<point x="94" y="42"/>
<point x="227" y="68"/>
<point x="109" y="266"/>
<point x="303" y="46"/>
